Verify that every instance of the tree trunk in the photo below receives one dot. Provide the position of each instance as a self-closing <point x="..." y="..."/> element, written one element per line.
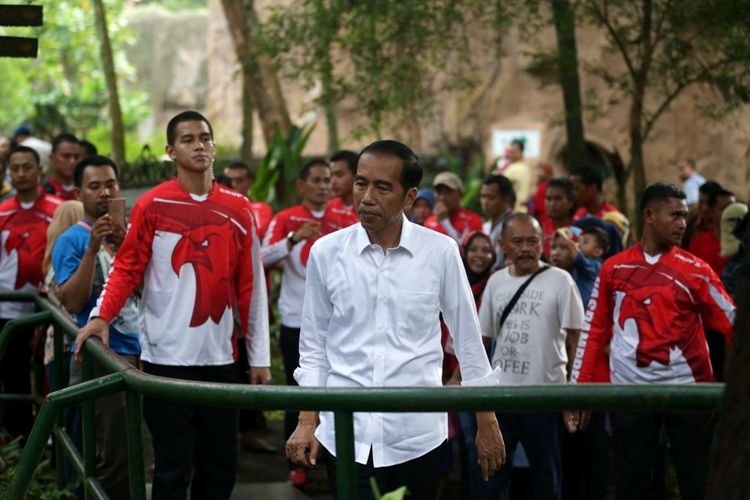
<point x="247" y="121"/>
<point x="730" y="454"/>
<point x="329" y="105"/>
<point x="564" y="18"/>
<point x="258" y="69"/>
<point x="115" y="113"/>
<point x="635" y="165"/>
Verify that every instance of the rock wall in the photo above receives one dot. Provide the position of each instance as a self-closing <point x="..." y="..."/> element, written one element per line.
<point x="188" y="61"/>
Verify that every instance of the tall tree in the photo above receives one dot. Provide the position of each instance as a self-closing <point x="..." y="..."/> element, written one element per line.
<point x="258" y="72"/>
<point x="110" y="76"/>
<point x="667" y="47"/>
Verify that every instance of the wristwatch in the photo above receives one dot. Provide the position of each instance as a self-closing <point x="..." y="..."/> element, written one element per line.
<point x="290" y="238"/>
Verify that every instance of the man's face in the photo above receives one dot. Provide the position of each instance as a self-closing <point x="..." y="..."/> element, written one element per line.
<point x="451" y="198"/>
<point x="561" y="255"/>
<point x="98" y="186"/>
<point x="584" y="194"/>
<point x="316" y="188"/>
<point x="238" y="179"/>
<point x="24" y="171"/>
<point x="492" y="203"/>
<point x="668" y="221"/>
<point x="379" y="196"/>
<point x="64" y="159"/>
<point x="421" y="211"/>
<point x="4" y="147"/>
<point x="342" y="179"/>
<point x="193" y="148"/>
<point x="684" y="170"/>
<point x="557" y="204"/>
<point x="522" y="245"/>
<point x="515" y="152"/>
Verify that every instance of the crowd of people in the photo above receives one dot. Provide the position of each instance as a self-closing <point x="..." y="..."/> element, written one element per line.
<point x="383" y="284"/>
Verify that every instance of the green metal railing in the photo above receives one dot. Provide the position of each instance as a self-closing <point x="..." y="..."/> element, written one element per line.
<point x="343" y="402"/>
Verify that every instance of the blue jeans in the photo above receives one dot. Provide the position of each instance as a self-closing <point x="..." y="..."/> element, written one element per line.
<point x="540" y="434"/>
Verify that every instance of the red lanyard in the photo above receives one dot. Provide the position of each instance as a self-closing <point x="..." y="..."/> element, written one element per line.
<point x="88" y="227"/>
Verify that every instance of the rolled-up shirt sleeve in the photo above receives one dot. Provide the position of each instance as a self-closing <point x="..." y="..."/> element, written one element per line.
<point x="460" y="315"/>
<point x="316" y="315"/>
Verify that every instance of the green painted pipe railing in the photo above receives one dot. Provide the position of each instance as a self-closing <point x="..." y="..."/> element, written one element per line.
<point x="343" y="402"/>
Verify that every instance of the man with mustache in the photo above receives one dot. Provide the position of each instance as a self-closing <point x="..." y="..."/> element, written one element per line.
<point x="193" y="243"/>
<point x="535" y="339"/>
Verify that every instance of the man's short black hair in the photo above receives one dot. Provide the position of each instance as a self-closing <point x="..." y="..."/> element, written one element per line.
<point x="660" y="192"/>
<point x="91" y="161"/>
<point x="304" y="172"/>
<point x="185" y="116"/>
<point x="710" y="187"/>
<point x="520" y="143"/>
<point x="349" y="156"/>
<point x="25" y="149"/>
<point x="88" y="148"/>
<point x="504" y="186"/>
<point x="241" y="165"/>
<point x="589" y="176"/>
<point x="411" y="167"/>
<point x="63" y="137"/>
<point x="564" y="184"/>
<point x="713" y="196"/>
<point x="600" y="235"/>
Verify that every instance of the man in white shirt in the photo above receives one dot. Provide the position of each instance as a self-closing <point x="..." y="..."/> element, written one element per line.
<point x="373" y="295"/>
<point x="692" y="180"/>
<point x="535" y="342"/>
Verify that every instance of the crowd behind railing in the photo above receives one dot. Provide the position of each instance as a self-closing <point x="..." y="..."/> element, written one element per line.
<point x="384" y="282"/>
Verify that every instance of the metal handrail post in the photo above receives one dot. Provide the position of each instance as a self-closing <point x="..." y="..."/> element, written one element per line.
<point x="136" y="467"/>
<point x="61" y="383"/>
<point x="15" y="325"/>
<point x="346" y="468"/>
<point x="89" y="429"/>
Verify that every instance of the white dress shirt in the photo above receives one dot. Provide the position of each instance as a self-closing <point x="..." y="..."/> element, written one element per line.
<point x="372" y="320"/>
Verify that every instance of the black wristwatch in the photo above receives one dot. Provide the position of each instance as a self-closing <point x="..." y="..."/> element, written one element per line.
<point x="290" y="238"/>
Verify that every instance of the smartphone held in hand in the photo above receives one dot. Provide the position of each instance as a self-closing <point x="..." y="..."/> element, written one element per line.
<point x="117" y="212"/>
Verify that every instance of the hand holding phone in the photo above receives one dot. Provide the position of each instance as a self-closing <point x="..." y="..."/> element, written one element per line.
<point x="116" y="212"/>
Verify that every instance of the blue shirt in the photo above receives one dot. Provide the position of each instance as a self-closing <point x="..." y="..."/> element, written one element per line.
<point x="584" y="273"/>
<point x="66" y="257"/>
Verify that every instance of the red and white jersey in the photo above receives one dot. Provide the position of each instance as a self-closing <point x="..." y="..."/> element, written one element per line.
<point x="295" y="264"/>
<point x="458" y="226"/>
<point x="346" y="213"/>
<point x="263" y="213"/>
<point x="53" y="186"/>
<point x="652" y="312"/>
<point x="199" y="258"/>
<point x="605" y="209"/>
<point x="23" y="238"/>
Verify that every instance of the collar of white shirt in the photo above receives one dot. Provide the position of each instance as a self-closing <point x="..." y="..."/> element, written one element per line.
<point x="406" y="241"/>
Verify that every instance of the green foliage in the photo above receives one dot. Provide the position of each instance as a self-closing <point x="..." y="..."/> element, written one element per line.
<point x="64" y="88"/>
<point x="397" y="494"/>
<point x="279" y="167"/>
<point x="393" y="57"/>
<point x="43" y="485"/>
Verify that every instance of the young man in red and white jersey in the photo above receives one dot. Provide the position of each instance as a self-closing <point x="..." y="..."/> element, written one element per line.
<point x="343" y="170"/>
<point x="66" y="151"/>
<point x="448" y="216"/>
<point x="289" y="239"/>
<point x="241" y="178"/>
<point x="587" y="187"/>
<point x="23" y="237"/>
<point x="193" y="243"/>
<point x="650" y="305"/>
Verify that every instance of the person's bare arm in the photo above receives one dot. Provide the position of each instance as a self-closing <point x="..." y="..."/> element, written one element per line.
<point x="302" y="446"/>
<point x="571" y="344"/>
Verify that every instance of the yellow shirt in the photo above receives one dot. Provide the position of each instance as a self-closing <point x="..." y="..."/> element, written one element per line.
<point x="520" y="175"/>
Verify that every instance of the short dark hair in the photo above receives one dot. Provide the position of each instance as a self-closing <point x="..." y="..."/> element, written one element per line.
<point x="519" y="216"/>
<point x="504" y="186"/>
<point x="564" y="184"/>
<point x="660" y="192"/>
<point x="91" y="161"/>
<point x="710" y="187"/>
<point x="411" y="166"/>
<point x="520" y="143"/>
<point x="89" y="149"/>
<point x="25" y="149"/>
<point x="304" y="171"/>
<point x="185" y="116"/>
<point x="589" y="176"/>
<point x="63" y="137"/>
<point x="349" y="156"/>
<point x="713" y="197"/>
<point x="600" y="235"/>
<point x="224" y="180"/>
<point x="241" y="165"/>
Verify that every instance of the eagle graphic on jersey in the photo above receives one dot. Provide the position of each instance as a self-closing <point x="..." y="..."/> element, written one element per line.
<point x="29" y="243"/>
<point x="205" y="230"/>
<point x="659" y="332"/>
